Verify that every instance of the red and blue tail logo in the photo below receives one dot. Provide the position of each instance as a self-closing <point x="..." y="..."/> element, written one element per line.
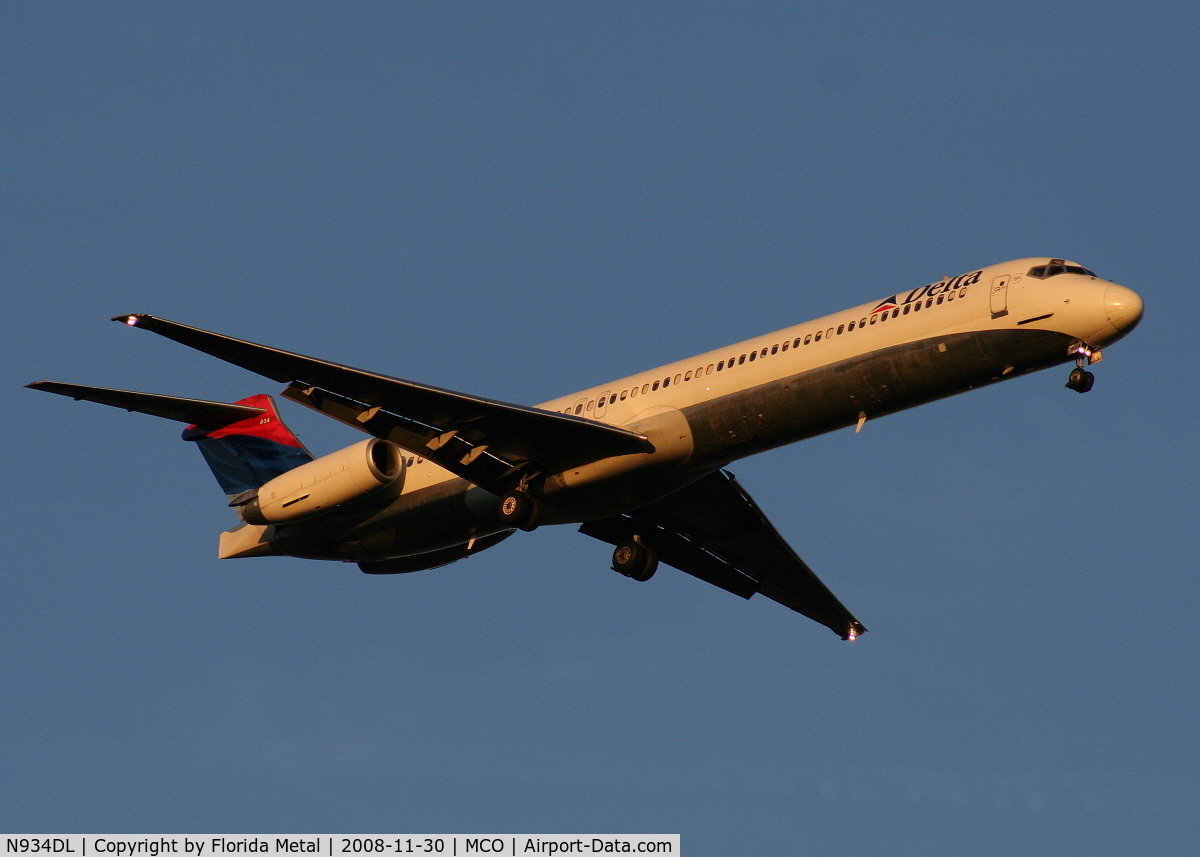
<point x="885" y="305"/>
<point x="251" y="452"/>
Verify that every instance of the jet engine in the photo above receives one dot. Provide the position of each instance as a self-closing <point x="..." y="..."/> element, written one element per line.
<point x="370" y="467"/>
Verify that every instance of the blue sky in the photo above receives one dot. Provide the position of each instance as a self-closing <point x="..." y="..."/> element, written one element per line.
<point x="519" y="201"/>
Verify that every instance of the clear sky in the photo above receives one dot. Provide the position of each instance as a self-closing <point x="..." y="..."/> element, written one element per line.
<point x="522" y="200"/>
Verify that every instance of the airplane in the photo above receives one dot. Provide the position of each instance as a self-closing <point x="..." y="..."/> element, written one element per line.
<point x="638" y="463"/>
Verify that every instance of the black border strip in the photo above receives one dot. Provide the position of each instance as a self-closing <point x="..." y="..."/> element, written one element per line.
<point x="1036" y="318"/>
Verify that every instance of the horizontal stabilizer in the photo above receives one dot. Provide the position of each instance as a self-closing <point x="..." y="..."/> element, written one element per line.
<point x="193" y="411"/>
<point x="245" y="444"/>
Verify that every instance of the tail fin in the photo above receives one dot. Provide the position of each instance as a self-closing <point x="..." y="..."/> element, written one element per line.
<point x="250" y="452"/>
<point x="245" y="444"/>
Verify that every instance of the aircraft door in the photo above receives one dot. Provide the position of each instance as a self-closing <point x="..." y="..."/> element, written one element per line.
<point x="602" y="403"/>
<point x="577" y="408"/>
<point x="1000" y="296"/>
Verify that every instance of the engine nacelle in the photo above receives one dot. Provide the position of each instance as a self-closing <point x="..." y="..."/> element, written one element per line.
<point x="332" y="480"/>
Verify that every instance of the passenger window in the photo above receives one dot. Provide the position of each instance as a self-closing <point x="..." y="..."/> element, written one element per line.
<point x="590" y="404"/>
<point x="907" y="308"/>
<point x="646" y="388"/>
<point x="763" y="353"/>
<point x="667" y="382"/>
<point x="633" y="393"/>
<point x="579" y="409"/>
<point x="623" y="392"/>
<point x="753" y="355"/>
<point x="720" y="365"/>
<point x="808" y="339"/>
<point x="741" y="359"/>
<point x="775" y="348"/>
<point x="841" y="329"/>
<point x="850" y="326"/>
<point x="688" y="376"/>
<point x="962" y="293"/>
<point x="917" y="306"/>
<point x="709" y="371"/>
<point x="818" y="337"/>
<point x="655" y="387"/>
<point x="895" y="313"/>
<point x="785" y="345"/>
<point x="677" y="378"/>
<point x="862" y="322"/>
<point x="612" y="398"/>
<point x="940" y="299"/>
<point x="950" y="296"/>
<point x="829" y="333"/>
<point x="928" y="303"/>
<point x="796" y="344"/>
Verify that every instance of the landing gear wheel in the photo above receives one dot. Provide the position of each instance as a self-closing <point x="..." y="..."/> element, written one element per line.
<point x="1080" y="380"/>
<point x="635" y="560"/>
<point x="520" y="510"/>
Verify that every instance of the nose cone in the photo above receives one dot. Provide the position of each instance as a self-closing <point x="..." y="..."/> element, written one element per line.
<point x="1123" y="307"/>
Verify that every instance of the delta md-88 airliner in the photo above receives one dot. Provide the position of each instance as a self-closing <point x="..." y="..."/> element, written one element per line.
<point x="638" y="462"/>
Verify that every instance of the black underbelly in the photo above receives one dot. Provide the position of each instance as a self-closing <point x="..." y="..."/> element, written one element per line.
<point x="875" y="384"/>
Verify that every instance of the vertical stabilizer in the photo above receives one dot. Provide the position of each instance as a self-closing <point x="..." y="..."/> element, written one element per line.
<point x="249" y="453"/>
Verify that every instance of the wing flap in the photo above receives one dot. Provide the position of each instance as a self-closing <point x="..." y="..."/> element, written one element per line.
<point x="472" y="462"/>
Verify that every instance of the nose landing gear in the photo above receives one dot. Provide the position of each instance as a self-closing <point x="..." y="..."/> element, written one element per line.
<point x="1080" y="380"/>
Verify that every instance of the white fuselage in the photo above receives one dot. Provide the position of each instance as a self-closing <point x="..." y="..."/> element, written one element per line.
<point x="910" y="347"/>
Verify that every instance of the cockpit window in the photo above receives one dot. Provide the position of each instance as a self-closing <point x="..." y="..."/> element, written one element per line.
<point x="1056" y="267"/>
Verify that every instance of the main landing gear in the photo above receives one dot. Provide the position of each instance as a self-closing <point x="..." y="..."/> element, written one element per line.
<point x="634" y="559"/>
<point x="1080" y="380"/>
<point x="520" y="509"/>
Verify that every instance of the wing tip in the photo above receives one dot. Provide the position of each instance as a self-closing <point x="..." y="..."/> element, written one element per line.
<point x="53" y="387"/>
<point x="853" y="631"/>
<point x="131" y="319"/>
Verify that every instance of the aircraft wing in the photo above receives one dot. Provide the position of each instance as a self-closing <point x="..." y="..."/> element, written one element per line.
<point x="715" y="531"/>
<point x="483" y="440"/>
<point x="192" y="411"/>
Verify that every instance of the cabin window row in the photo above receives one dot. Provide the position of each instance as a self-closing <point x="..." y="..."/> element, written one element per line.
<point x="803" y="339"/>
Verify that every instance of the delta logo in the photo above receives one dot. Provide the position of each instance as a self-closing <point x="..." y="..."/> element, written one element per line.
<point x="929" y="291"/>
